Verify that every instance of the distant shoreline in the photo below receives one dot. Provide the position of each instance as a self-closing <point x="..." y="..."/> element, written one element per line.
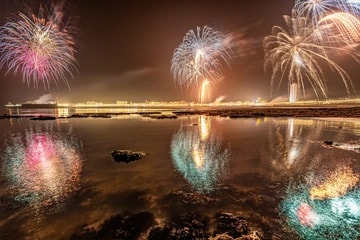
<point x="348" y="111"/>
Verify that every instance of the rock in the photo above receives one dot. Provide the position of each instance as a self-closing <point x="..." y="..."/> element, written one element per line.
<point x="190" y="226"/>
<point x="160" y="116"/>
<point x="328" y="143"/>
<point x="126" y="155"/>
<point x="79" y="115"/>
<point x="235" y="226"/>
<point x="43" y="118"/>
<point x="101" y="115"/>
<point x="254" y="235"/>
<point x="223" y="236"/>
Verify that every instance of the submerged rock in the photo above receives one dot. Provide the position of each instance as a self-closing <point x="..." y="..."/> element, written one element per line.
<point x="126" y="155"/>
<point x="119" y="227"/>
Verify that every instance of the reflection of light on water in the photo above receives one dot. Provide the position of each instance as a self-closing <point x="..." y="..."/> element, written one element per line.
<point x="333" y="217"/>
<point x="63" y="112"/>
<point x="290" y="146"/>
<point x="43" y="167"/>
<point x="336" y="185"/>
<point x="291" y="127"/>
<point x="198" y="156"/>
<point x="205" y="126"/>
<point x="202" y="162"/>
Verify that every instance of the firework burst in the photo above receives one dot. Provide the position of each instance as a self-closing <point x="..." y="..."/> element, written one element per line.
<point x="38" y="48"/>
<point x="297" y="53"/>
<point x="200" y="56"/>
<point x="314" y="10"/>
<point x="341" y="26"/>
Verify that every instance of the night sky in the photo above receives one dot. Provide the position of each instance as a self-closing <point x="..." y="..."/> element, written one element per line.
<point x="125" y="49"/>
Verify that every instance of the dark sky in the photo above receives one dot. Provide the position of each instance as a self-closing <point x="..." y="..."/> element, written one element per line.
<point x="125" y="48"/>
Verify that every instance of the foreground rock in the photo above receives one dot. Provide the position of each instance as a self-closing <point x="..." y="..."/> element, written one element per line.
<point x="126" y="155"/>
<point x="195" y="226"/>
<point x="231" y="224"/>
<point x="190" y="226"/>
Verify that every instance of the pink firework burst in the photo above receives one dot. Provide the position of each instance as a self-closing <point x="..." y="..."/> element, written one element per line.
<point x="39" y="48"/>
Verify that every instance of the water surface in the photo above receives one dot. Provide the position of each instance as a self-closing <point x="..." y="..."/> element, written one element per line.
<point x="58" y="177"/>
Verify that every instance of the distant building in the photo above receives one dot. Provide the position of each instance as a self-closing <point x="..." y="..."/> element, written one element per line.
<point x="294" y="92"/>
<point x="121" y="102"/>
<point x="93" y="103"/>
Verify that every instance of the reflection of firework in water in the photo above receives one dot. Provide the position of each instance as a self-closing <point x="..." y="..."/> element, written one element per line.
<point x="200" y="56"/>
<point x="39" y="47"/>
<point x="297" y="54"/>
<point x="306" y="215"/>
<point x="199" y="156"/>
<point x="336" y="185"/>
<point x="42" y="167"/>
<point x="333" y="217"/>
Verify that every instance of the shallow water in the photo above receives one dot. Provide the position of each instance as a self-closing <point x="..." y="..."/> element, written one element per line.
<point x="58" y="177"/>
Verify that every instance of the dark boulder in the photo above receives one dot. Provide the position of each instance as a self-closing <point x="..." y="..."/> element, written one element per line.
<point x="43" y="118"/>
<point x="328" y="143"/>
<point x="126" y="155"/>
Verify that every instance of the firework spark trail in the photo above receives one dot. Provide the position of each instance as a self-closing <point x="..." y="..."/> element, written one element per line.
<point x="38" y="48"/>
<point x="200" y="56"/>
<point x="314" y="10"/>
<point x="205" y="91"/>
<point x="297" y="53"/>
<point x="341" y="24"/>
